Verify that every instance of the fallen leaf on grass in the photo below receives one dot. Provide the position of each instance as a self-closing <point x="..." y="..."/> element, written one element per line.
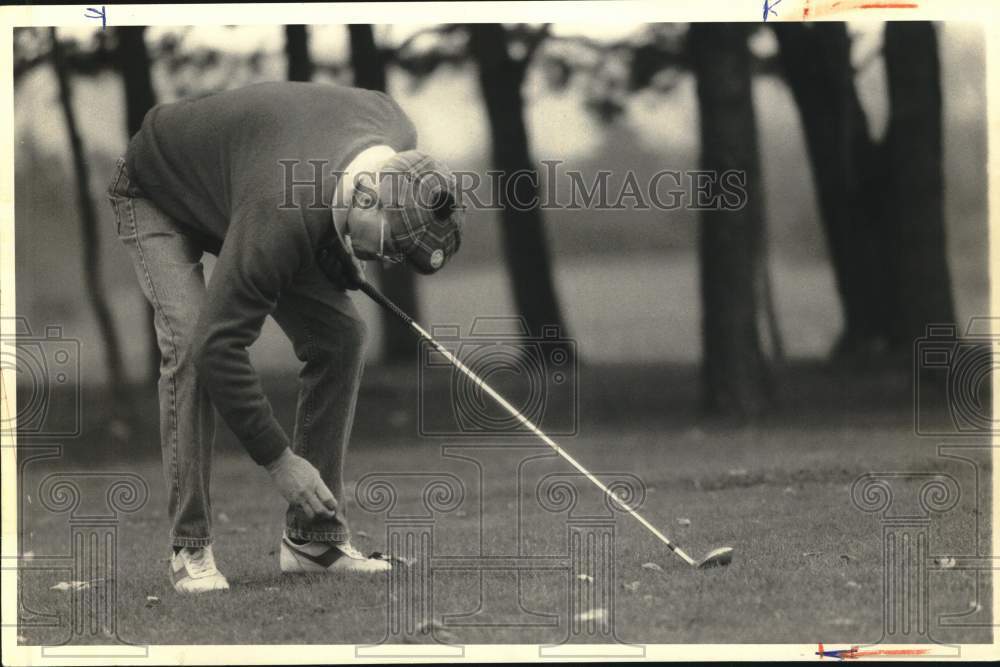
<point x="408" y="562"/>
<point x="427" y="627"/>
<point x="684" y="522"/>
<point x="652" y="566"/>
<point x="631" y="587"/>
<point x="585" y="577"/>
<point x="946" y="562"/>
<point x="152" y="601"/>
<point x="74" y="585"/>
<point x="435" y="628"/>
<point x="592" y="615"/>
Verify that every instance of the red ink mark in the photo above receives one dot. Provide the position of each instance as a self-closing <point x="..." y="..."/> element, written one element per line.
<point x="887" y="651"/>
<point x="854" y="654"/>
<point x="827" y="8"/>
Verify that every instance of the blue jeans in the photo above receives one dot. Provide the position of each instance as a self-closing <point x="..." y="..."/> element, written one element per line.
<point x="328" y="337"/>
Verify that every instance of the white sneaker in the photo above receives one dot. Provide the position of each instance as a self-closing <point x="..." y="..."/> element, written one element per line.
<point x="327" y="557"/>
<point x="192" y="570"/>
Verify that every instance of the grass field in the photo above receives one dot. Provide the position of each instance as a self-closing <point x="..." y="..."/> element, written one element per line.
<point x="808" y="564"/>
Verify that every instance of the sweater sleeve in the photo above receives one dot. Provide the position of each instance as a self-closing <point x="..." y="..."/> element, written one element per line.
<point x="263" y="251"/>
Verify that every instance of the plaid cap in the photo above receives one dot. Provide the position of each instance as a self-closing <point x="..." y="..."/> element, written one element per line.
<point x="419" y="196"/>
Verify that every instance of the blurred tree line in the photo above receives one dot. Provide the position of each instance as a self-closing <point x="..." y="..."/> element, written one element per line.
<point x="881" y="202"/>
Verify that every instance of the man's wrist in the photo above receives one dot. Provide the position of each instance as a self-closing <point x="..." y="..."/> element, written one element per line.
<point x="285" y="454"/>
<point x="267" y="445"/>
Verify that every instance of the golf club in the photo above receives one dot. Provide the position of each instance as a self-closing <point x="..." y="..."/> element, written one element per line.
<point x="715" y="558"/>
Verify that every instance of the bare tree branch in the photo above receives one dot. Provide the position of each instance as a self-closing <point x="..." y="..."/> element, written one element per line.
<point x="533" y="42"/>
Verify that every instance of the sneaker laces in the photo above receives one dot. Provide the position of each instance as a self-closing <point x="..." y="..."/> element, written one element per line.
<point x="201" y="561"/>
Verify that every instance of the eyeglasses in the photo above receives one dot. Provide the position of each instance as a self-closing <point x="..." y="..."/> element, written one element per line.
<point x="364" y="200"/>
<point x="396" y="258"/>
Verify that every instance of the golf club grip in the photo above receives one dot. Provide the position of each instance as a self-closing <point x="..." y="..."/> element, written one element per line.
<point x="383" y="301"/>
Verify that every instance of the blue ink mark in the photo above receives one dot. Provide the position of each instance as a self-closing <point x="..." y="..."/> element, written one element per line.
<point x="839" y="654"/>
<point x="831" y="654"/>
<point x="102" y="14"/>
<point x="769" y="6"/>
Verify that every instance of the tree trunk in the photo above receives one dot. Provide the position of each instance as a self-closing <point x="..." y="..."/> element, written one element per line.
<point x="844" y="160"/>
<point x="397" y="282"/>
<point x="91" y="248"/>
<point x="366" y="60"/>
<point x="914" y="155"/>
<point x="736" y="382"/>
<point x="525" y="245"/>
<point x="300" y="65"/>
<point x="132" y="58"/>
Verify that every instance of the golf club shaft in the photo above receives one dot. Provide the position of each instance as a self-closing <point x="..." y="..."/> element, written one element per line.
<point x="381" y="299"/>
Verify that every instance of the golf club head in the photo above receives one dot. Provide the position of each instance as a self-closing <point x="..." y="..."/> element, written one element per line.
<point x="716" y="558"/>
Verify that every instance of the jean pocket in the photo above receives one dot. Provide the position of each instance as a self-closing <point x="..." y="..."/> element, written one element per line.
<point x="119" y="184"/>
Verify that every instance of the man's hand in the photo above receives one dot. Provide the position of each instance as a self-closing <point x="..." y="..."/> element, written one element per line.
<point x="301" y="485"/>
<point x="342" y="268"/>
